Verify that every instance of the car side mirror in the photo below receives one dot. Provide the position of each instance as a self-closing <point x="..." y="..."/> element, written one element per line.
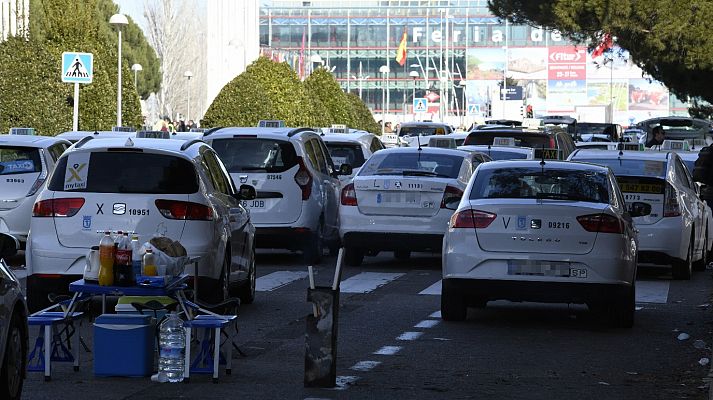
<point x="9" y="245"/>
<point x="452" y="203"/>
<point x="246" y="192"/>
<point x="345" y="169"/>
<point x="639" y="209"/>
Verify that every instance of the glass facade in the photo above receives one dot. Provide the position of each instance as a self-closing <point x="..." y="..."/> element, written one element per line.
<point x="457" y="56"/>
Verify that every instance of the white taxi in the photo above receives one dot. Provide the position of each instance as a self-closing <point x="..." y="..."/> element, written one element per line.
<point x="351" y="148"/>
<point x="25" y="163"/>
<point x="397" y="201"/>
<point x="676" y="232"/>
<point x="153" y="187"/>
<point x="548" y="232"/>
<point x="415" y="134"/>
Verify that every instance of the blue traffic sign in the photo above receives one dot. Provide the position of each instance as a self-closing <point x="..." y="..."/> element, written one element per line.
<point x="473" y="109"/>
<point x="420" y="105"/>
<point x="77" y="67"/>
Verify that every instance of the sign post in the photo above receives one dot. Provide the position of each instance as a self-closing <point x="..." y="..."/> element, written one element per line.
<point x="77" y="68"/>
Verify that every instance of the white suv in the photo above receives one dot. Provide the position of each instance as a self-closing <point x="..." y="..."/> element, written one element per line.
<point x="25" y="164"/>
<point x="297" y="185"/>
<point x="162" y="187"/>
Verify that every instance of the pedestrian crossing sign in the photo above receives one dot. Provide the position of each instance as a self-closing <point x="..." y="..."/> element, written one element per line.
<point x="77" y="67"/>
<point x="473" y="109"/>
<point x="420" y="105"/>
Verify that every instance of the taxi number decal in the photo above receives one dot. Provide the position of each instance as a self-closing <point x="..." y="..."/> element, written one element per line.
<point x="14" y="180"/>
<point x="558" y="225"/>
<point x="415" y="186"/>
<point x="634" y="197"/>
<point x="272" y="177"/>
<point x="138" y="211"/>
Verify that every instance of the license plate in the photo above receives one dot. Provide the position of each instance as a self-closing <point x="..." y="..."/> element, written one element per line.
<point x="398" y="198"/>
<point x="540" y="268"/>
<point x="253" y="203"/>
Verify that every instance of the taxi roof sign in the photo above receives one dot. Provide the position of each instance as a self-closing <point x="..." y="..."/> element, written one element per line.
<point x="338" y="128"/>
<point x="504" y="141"/>
<point x="630" y="146"/>
<point x="122" y="129"/>
<point x="442" y="142"/>
<point x="22" y="131"/>
<point x="271" y="123"/>
<point x="153" y="134"/>
<point x="548" y="154"/>
<point x="675" y="145"/>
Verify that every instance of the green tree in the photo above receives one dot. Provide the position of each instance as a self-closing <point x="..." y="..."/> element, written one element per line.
<point x="135" y="49"/>
<point x="669" y="40"/>
<point x="32" y="67"/>
<point x="363" y="119"/>
<point x="321" y="84"/>
<point x="242" y="102"/>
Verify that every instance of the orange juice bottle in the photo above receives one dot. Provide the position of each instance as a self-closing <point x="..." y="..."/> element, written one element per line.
<point x="106" y="260"/>
<point x="149" y="263"/>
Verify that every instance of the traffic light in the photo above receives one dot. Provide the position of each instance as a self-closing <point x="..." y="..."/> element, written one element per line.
<point x="523" y="113"/>
<point x="488" y="110"/>
<point x="528" y="111"/>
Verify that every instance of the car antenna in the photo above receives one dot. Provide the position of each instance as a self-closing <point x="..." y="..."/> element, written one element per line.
<point x="489" y="151"/>
<point x="542" y="162"/>
<point x="621" y="146"/>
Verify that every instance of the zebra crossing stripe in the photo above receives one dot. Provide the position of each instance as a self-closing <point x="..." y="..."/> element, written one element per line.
<point x="366" y="282"/>
<point x="277" y="280"/>
<point x="434" y="289"/>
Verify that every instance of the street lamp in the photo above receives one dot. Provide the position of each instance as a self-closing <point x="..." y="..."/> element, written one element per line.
<point x="361" y="78"/>
<point x="136" y="68"/>
<point x="384" y="69"/>
<point x="189" y="75"/>
<point x="464" y="106"/>
<point x="118" y="20"/>
<point x="414" y="76"/>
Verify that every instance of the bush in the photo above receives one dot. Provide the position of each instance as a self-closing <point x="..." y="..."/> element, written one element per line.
<point x="363" y="119"/>
<point x="322" y="85"/>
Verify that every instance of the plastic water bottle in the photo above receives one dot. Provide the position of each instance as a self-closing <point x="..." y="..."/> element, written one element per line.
<point x="136" y="255"/>
<point x="172" y="348"/>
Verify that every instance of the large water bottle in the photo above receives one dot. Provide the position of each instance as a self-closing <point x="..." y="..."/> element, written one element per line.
<point x="135" y="255"/>
<point x="172" y="348"/>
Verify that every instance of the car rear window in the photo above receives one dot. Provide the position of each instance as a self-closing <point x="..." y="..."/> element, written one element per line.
<point x="656" y="169"/>
<point x="131" y="172"/>
<point x="242" y="154"/>
<point x="19" y="160"/>
<point x="505" y="155"/>
<point x="422" y="130"/>
<point x="523" y="139"/>
<point x="346" y="153"/>
<point x="413" y="164"/>
<point x="541" y="183"/>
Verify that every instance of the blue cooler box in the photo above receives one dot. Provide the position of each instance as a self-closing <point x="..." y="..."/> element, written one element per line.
<point x="123" y="345"/>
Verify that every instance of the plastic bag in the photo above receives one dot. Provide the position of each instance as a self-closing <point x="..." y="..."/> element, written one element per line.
<point x="165" y="264"/>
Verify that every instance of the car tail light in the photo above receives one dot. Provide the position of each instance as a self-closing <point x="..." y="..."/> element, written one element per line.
<point x="552" y="143"/>
<point x="175" y="209"/>
<point x="304" y="179"/>
<point x="604" y="223"/>
<point x="670" y="203"/>
<point x="449" y="194"/>
<point x="472" y="219"/>
<point x="36" y="186"/>
<point x="63" y="207"/>
<point x="349" y="196"/>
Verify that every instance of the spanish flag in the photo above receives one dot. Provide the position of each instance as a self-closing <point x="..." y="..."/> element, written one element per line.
<point x="401" y="51"/>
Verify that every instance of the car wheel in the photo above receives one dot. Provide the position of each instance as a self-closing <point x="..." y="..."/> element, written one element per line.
<point x="247" y="289"/>
<point x="402" y="254"/>
<point x="453" y="305"/>
<point x="353" y="256"/>
<point x="13" y="364"/>
<point x="700" y="265"/>
<point x="682" y="269"/>
<point x="313" y="249"/>
<point x="222" y="286"/>
<point x="621" y="310"/>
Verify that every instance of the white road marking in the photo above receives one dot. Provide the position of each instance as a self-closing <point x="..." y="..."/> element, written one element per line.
<point x="277" y="280"/>
<point x="409" y="336"/>
<point x="434" y="289"/>
<point x="652" y="291"/>
<point x="436" y="314"/>
<point x="343" y="382"/>
<point x="646" y="291"/>
<point x="427" y="323"/>
<point x="366" y="282"/>
<point x="388" y="350"/>
<point x="365" y="365"/>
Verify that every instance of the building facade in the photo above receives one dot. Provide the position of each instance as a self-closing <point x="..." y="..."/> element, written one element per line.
<point x="459" y="56"/>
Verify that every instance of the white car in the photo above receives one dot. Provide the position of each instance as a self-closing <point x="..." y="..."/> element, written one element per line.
<point x="297" y="185"/>
<point x="553" y="232"/>
<point x="676" y="232"/>
<point x="459" y="137"/>
<point x="25" y="164"/>
<point x="396" y="202"/>
<point x="351" y="148"/>
<point x="414" y="134"/>
<point x="153" y="187"/>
